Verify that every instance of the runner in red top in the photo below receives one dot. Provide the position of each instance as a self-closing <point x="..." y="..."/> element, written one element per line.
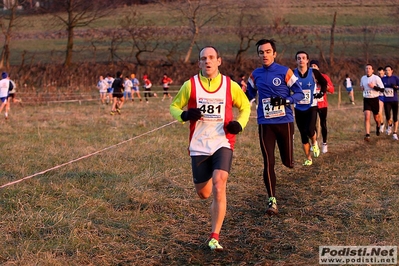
<point x="322" y="105"/>
<point x="166" y="81"/>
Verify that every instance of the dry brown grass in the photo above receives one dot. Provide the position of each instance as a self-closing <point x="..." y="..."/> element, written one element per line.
<point x="134" y="204"/>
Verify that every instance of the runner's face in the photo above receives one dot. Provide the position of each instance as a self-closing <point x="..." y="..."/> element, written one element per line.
<point x="302" y="61"/>
<point x="314" y="66"/>
<point x="388" y="71"/>
<point x="209" y="62"/>
<point x="369" y="70"/>
<point x="266" y="54"/>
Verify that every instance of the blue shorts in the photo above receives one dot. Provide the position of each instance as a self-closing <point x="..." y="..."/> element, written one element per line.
<point x="110" y="90"/>
<point x="4" y="99"/>
<point x="127" y="94"/>
<point x="349" y="89"/>
<point x="135" y="89"/>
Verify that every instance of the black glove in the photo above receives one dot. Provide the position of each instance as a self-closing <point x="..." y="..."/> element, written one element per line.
<point x="277" y="101"/>
<point x="378" y="89"/>
<point x="393" y="86"/>
<point x="318" y="95"/>
<point x="234" y="127"/>
<point x="193" y="114"/>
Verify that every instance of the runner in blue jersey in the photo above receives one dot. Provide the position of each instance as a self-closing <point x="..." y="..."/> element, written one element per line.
<point x="381" y="74"/>
<point x="306" y="110"/>
<point x="391" y="85"/>
<point x="277" y="88"/>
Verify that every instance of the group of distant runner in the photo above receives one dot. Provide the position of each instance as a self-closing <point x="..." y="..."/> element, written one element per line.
<point x="117" y="90"/>
<point x="380" y="97"/>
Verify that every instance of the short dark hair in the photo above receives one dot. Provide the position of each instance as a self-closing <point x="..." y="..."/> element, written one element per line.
<point x="118" y="74"/>
<point x="301" y="52"/>
<point x="264" y="41"/>
<point x="209" y="46"/>
<point x="380" y="68"/>
<point x="388" y="66"/>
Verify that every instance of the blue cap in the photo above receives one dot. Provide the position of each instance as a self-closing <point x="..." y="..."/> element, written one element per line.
<point x="4" y="75"/>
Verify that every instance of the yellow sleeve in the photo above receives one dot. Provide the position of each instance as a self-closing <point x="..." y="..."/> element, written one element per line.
<point x="240" y="100"/>
<point x="180" y="101"/>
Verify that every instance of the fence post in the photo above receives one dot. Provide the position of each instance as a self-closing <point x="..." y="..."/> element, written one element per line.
<point x="339" y="96"/>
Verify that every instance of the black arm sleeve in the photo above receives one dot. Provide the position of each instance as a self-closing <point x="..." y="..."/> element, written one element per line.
<point x="320" y="80"/>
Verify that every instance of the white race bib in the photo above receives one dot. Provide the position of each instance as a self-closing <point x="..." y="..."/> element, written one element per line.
<point x="306" y="100"/>
<point x="388" y="92"/>
<point x="367" y="93"/>
<point x="271" y="111"/>
<point x="212" y="109"/>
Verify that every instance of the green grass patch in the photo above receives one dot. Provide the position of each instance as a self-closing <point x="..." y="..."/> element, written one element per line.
<point x="135" y="203"/>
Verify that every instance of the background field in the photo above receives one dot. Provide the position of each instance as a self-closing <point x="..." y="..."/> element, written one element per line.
<point x="134" y="203"/>
<point x="366" y="31"/>
<point x="40" y="36"/>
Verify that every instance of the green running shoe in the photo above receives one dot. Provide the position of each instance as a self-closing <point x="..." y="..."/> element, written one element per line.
<point x="307" y="163"/>
<point x="316" y="150"/>
<point x="272" y="208"/>
<point x="213" y="244"/>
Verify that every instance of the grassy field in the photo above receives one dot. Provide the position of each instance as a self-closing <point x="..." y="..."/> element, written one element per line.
<point x="124" y="195"/>
<point x="41" y="35"/>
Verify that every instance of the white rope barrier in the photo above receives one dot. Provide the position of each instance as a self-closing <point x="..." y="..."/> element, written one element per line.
<point x="85" y="156"/>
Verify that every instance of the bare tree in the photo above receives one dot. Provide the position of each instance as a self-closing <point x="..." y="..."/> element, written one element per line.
<point x="247" y="29"/>
<point x="7" y="23"/>
<point x="76" y="14"/>
<point x="368" y="40"/>
<point x="287" y="34"/>
<point x="116" y="41"/>
<point x="197" y="13"/>
<point x="145" y="37"/>
<point x="332" y="39"/>
<point x="173" y="46"/>
<point x="319" y="43"/>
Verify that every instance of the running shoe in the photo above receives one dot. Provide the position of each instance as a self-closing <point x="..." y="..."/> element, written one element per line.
<point x="367" y="137"/>
<point x="272" y="206"/>
<point x="308" y="163"/>
<point x="112" y="113"/>
<point x="378" y="129"/>
<point x="118" y="110"/>
<point x="213" y="244"/>
<point x="316" y="150"/>
<point x="395" y="136"/>
<point x="324" y="148"/>
<point x="389" y="130"/>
